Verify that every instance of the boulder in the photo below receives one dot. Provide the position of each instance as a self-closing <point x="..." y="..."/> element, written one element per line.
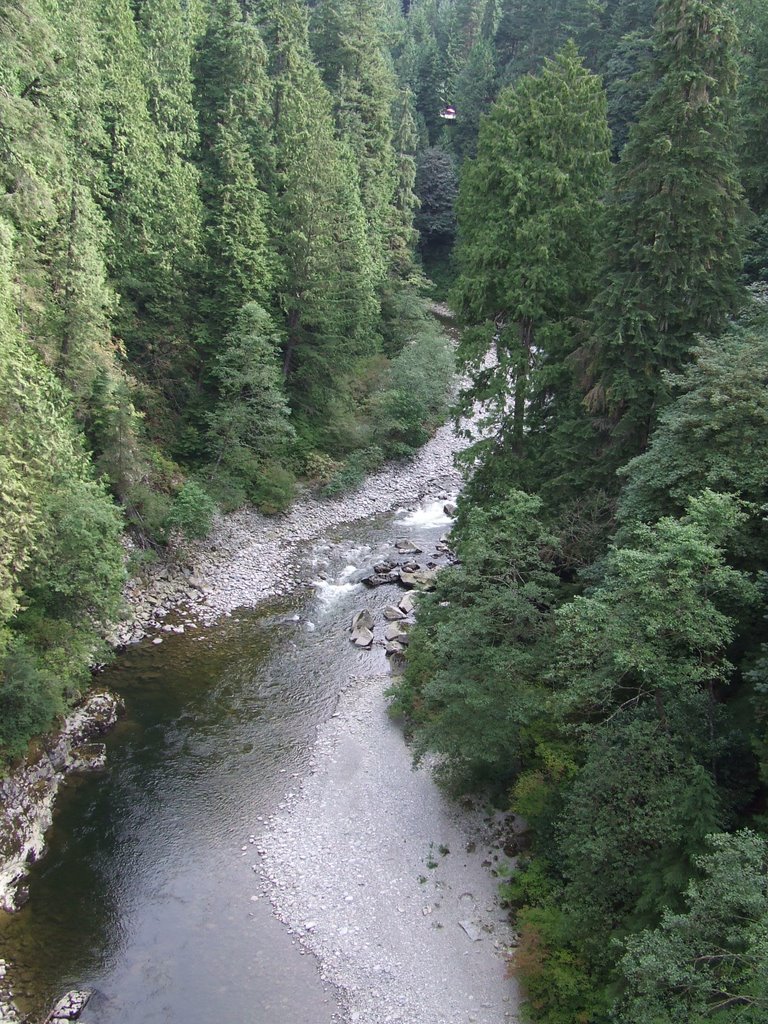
<point x="362" y="638"/>
<point x="392" y="613"/>
<point x="379" y="579"/>
<point x="70" y="1006"/>
<point x="408" y="603"/>
<point x="450" y="509"/>
<point x="397" y="631"/>
<point x="362" y="620"/>
<point x="407" y="547"/>
<point x="420" y="579"/>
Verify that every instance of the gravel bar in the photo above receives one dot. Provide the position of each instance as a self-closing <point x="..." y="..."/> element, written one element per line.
<point x="388" y="882"/>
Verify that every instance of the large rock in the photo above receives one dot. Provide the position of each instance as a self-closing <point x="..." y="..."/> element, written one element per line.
<point x="378" y="579"/>
<point x="362" y="620"/>
<point x="407" y="547"/>
<point x="362" y="638"/>
<point x="397" y="631"/>
<point x="392" y="613"/>
<point x="408" y="603"/>
<point x="70" y="1006"/>
<point x="420" y="579"/>
<point x="450" y="509"/>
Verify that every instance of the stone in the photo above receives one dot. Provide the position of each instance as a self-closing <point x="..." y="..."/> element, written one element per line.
<point x="396" y="631"/>
<point x="362" y="620"/>
<point x="392" y="613"/>
<point x="450" y="509"/>
<point x="471" y="930"/>
<point x="379" y="579"/>
<point x="407" y="547"/>
<point x="70" y="1006"/>
<point x="419" y="579"/>
<point x="362" y="638"/>
<point x="393" y="647"/>
<point x="408" y="603"/>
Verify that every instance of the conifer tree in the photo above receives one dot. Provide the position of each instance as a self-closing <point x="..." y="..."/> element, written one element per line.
<point x="327" y="291"/>
<point x="402" y="233"/>
<point x="153" y="202"/>
<point x="675" y="221"/>
<point x="350" y="48"/>
<point x="237" y="163"/>
<point x="529" y="217"/>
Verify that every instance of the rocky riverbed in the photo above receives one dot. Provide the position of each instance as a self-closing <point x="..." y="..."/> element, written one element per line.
<point x="391" y="885"/>
<point x="249" y="557"/>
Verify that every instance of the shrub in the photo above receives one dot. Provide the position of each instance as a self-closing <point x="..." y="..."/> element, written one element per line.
<point x="192" y="511"/>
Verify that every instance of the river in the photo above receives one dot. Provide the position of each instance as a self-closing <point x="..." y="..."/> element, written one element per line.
<point x="148" y="894"/>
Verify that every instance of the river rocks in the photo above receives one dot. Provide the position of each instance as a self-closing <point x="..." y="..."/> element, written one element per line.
<point x="450" y="509"/>
<point x="362" y="629"/>
<point x="363" y="638"/>
<point x="407" y="547"/>
<point x="408" y="603"/>
<point x="397" y="631"/>
<point x="362" y="620"/>
<point x="379" y="579"/>
<point x="69" y="1007"/>
<point x="28" y="794"/>
<point x="419" y="579"/>
<point x="392" y="613"/>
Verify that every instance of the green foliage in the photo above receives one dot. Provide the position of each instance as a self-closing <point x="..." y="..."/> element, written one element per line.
<point x="472" y="683"/>
<point x="708" y="962"/>
<point x="675" y="226"/>
<point x="714" y="435"/>
<point x="30" y="699"/>
<point x="413" y="401"/>
<point x="529" y="218"/>
<point x="192" y="511"/>
<point x="633" y="819"/>
<point x="657" y="626"/>
<point x="61" y="569"/>
<point x="556" y="978"/>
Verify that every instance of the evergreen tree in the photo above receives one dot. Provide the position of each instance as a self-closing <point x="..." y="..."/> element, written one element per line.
<point x="676" y="217"/>
<point x="237" y="162"/>
<point x="529" y="220"/>
<point x="328" y="288"/>
<point x="402" y="235"/>
<point x="349" y="46"/>
<point x="249" y="426"/>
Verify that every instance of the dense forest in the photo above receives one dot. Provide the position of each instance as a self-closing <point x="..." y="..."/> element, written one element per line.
<point x="221" y="225"/>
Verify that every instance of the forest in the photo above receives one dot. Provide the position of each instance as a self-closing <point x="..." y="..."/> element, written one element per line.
<point x="221" y="226"/>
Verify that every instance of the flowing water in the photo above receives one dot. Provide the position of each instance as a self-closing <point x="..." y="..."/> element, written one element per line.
<point x="147" y="894"/>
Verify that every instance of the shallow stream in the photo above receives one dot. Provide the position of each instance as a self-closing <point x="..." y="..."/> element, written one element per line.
<point x="147" y="894"/>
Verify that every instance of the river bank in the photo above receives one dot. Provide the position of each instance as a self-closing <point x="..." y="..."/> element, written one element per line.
<point x="249" y="557"/>
<point x="391" y="885"/>
<point x="373" y="871"/>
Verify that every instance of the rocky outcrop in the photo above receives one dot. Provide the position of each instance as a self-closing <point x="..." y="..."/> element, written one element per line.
<point x="69" y="1007"/>
<point x="28" y="794"/>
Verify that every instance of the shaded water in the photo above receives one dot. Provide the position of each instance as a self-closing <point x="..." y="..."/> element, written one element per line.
<point x="147" y="894"/>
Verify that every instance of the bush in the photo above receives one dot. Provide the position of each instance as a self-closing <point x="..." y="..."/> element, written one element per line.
<point x="354" y="470"/>
<point x="192" y="511"/>
<point x="29" y="700"/>
<point x="274" y="490"/>
<point x="414" y="400"/>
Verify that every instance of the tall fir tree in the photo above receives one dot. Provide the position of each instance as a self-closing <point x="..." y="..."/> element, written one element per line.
<point x="676" y="219"/>
<point x="529" y="221"/>
<point x="327" y="291"/>
<point x="237" y="163"/>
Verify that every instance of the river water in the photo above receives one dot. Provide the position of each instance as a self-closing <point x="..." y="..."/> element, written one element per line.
<point x="147" y="894"/>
